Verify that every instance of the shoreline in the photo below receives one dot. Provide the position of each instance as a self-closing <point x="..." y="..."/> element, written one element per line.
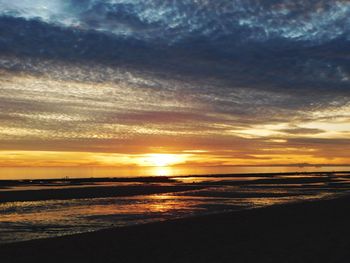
<point x="311" y="231"/>
<point x="91" y="192"/>
<point x="159" y="179"/>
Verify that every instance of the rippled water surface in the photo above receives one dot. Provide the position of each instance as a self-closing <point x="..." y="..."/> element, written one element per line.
<point x="25" y="220"/>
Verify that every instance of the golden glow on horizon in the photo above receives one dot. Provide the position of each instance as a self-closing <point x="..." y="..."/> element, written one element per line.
<point x="56" y="158"/>
<point x="161" y="160"/>
<point x="162" y="171"/>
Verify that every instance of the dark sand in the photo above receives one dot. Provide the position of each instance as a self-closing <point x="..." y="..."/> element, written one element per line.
<point x="90" y="192"/>
<point x="306" y="232"/>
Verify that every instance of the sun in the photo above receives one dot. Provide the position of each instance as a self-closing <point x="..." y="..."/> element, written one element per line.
<point x="161" y="159"/>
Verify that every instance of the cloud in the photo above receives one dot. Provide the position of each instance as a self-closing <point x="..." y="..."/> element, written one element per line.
<point x="316" y="20"/>
<point x="302" y="131"/>
<point x="129" y="76"/>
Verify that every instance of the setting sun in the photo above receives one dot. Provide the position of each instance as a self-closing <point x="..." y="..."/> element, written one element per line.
<point x="161" y="160"/>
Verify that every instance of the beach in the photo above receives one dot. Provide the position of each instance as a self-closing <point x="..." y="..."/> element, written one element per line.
<point x="182" y="131"/>
<point x="290" y="217"/>
<point x="305" y="232"/>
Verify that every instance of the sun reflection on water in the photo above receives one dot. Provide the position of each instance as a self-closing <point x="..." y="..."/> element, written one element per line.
<point x="48" y="218"/>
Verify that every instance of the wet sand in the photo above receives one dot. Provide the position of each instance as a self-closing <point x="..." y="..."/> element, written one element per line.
<point x="90" y="192"/>
<point x="305" y="232"/>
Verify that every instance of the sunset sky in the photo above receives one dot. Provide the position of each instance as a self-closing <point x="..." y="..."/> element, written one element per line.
<point x="183" y="82"/>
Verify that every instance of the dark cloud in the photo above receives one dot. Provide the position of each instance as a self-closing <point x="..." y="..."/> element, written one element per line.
<point x="314" y="20"/>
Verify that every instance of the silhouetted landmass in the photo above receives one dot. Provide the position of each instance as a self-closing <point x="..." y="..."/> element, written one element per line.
<point x="90" y="192"/>
<point x="79" y="181"/>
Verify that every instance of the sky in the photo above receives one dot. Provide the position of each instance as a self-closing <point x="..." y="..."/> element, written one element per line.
<point x="128" y="83"/>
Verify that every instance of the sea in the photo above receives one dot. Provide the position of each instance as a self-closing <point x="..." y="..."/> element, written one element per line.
<point x="201" y="194"/>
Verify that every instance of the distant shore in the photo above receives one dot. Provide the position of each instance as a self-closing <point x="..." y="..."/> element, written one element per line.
<point x="315" y="231"/>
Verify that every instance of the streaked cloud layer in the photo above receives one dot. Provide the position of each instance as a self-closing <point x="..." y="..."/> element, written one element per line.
<point x="214" y="82"/>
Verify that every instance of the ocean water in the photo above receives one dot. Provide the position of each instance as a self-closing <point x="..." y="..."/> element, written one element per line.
<point x="26" y="220"/>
